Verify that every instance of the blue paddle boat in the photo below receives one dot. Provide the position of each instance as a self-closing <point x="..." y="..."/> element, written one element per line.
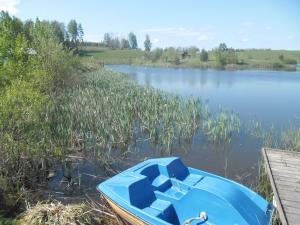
<point x="164" y="191"/>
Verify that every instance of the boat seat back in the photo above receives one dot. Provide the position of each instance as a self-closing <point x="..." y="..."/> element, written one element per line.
<point x="141" y="193"/>
<point x="151" y="172"/>
<point x="177" y="170"/>
<point x="158" y="176"/>
<point x="163" y="210"/>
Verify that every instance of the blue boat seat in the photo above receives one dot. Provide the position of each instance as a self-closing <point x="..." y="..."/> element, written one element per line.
<point x="152" y="211"/>
<point x="163" y="210"/>
<point x="161" y="205"/>
<point x="141" y="193"/>
<point x="178" y="170"/>
<point x="159" y="181"/>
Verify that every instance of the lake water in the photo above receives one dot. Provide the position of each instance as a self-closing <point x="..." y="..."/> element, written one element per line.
<point x="270" y="96"/>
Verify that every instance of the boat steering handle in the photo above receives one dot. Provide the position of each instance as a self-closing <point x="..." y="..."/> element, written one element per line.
<point x="202" y="217"/>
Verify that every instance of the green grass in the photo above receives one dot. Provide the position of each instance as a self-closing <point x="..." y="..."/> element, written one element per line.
<point x="248" y="59"/>
<point x="109" y="56"/>
<point x="255" y="56"/>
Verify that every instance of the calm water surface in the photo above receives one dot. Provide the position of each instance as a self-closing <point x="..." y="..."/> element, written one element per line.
<point x="273" y="97"/>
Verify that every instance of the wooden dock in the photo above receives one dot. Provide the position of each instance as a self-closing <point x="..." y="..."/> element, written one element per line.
<point x="283" y="168"/>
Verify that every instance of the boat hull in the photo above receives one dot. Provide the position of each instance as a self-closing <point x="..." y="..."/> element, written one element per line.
<point x="124" y="214"/>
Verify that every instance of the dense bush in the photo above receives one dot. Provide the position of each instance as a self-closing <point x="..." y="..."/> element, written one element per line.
<point x="34" y="63"/>
<point x="224" y="55"/>
<point x="203" y="56"/>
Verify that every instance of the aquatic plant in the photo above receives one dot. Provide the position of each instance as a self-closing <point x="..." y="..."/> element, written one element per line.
<point x="107" y="110"/>
<point x="221" y="128"/>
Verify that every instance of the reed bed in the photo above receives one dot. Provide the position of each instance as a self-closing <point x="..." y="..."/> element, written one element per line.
<point x="108" y="111"/>
<point x="222" y="127"/>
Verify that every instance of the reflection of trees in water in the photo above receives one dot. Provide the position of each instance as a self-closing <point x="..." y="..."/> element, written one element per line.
<point x="185" y="78"/>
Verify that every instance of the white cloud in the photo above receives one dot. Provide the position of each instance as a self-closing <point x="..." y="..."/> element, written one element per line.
<point x="291" y="37"/>
<point x="10" y="6"/>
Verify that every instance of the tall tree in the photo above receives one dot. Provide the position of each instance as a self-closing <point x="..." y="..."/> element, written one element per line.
<point x="147" y="44"/>
<point x="132" y="40"/>
<point x="124" y="43"/>
<point x="107" y="39"/>
<point x="73" y="30"/>
<point x="115" y="43"/>
<point x="203" y="55"/>
<point x="80" y="33"/>
<point x="223" y="47"/>
<point x="58" y="30"/>
<point x="28" y="30"/>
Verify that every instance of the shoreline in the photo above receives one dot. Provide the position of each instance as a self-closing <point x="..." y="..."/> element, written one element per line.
<point x="226" y="68"/>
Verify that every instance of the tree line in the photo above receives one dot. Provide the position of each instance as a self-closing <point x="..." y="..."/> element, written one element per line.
<point x="222" y="54"/>
<point x="116" y="43"/>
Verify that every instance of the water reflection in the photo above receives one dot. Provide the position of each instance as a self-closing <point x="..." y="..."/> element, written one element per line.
<point x="273" y="97"/>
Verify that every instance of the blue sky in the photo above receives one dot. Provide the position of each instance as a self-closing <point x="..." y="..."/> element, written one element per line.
<point x="205" y="23"/>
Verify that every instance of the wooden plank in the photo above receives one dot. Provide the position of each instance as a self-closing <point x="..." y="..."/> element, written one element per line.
<point x="292" y="210"/>
<point x="277" y="198"/>
<point x="280" y="151"/>
<point x="290" y="204"/>
<point x="285" y="163"/>
<point x="288" y="179"/>
<point x="287" y="195"/>
<point x="293" y="219"/>
<point x="283" y="169"/>
<point x="285" y="177"/>
<point x="286" y="172"/>
<point x="291" y="160"/>
<point x="285" y="186"/>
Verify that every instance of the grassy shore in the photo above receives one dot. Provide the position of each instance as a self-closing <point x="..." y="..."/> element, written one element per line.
<point x="247" y="59"/>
